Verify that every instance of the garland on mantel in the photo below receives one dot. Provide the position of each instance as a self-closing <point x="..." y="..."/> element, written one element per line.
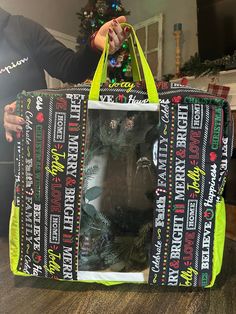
<point x="195" y="67"/>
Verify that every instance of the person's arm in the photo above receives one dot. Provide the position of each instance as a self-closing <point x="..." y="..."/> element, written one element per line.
<point x="51" y="55"/>
<point x="62" y="62"/>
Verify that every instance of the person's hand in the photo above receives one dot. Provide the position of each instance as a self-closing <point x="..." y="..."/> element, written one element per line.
<point x="117" y="35"/>
<point x="12" y="123"/>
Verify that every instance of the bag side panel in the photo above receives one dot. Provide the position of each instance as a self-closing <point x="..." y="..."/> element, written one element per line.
<point x="219" y="240"/>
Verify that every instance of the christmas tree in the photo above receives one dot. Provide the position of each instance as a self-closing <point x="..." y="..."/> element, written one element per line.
<point x="92" y="17"/>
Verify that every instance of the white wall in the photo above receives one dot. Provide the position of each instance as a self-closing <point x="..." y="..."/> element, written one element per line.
<point x="59" y="15"/>
<point x="175" y="11"/>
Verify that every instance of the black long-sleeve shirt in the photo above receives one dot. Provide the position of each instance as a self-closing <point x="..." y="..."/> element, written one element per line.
<point x="26" y="50"/>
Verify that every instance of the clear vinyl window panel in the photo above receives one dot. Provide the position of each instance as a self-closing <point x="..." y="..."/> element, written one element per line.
<point x="118" y="191"/>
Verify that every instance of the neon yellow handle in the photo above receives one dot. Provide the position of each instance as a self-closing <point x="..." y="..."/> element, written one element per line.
<point x="100" y="73"/>
<point x="134" y="61"/>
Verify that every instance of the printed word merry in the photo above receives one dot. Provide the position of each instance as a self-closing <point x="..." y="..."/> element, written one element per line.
<point x="72" y="161"/>
<point x="67" y="263"/>
<point x="180" y="179"/>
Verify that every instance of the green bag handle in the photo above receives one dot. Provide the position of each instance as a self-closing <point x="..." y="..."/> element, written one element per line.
<point x="100" y="73"/>
<point x="134" y="62"/>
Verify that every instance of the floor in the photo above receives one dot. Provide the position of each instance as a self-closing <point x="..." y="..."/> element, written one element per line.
<point x="32" y="295"/>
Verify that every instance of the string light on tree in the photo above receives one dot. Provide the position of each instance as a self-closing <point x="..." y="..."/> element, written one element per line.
<point x="92" y="17"/>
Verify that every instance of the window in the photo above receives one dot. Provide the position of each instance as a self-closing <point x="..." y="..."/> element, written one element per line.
<point x="149" y="33"/>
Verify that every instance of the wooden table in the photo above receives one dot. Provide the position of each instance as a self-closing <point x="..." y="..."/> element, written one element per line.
<point x="21" y="295"/>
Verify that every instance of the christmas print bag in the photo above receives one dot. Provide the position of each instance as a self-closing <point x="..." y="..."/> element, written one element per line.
<point x="114" y="184"/>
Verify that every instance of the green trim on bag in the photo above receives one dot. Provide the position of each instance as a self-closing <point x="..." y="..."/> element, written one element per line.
<point x="218" y="248"/>
<point x="14" y="240"/>
<point x="134" y="60"/>
<point x="219" y="240"/>
<point x="99" y="75"/>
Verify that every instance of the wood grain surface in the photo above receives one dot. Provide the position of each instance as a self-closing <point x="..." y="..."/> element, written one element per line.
<point x="20" y="295"/>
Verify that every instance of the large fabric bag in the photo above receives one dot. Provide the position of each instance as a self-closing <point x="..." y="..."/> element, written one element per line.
<point x="116" y="184"/>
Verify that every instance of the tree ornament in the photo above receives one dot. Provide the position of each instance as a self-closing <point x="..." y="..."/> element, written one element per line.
<point x="94" y="15"/>
<point x="119" y="8"/>
<point x="93" y="23"/>
<point x="112" y="62"/>
<point x="128" y="72"/>
<point x="119" y="60"/>
<point x="88" y="14"/>
<point x="101" y="7"/>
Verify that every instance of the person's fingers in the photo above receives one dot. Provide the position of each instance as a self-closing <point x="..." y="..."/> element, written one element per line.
<point x="105" y="28"/>
<point x="112" y="47"/>
<point x="127" y="32"/>
<point x="119" y="31"/>
<point x="11" y="108"/>
<point x="10" y="127"/>
<point x="9" y="136"/>
<point x="114" y="38"/>
<point x="12" y="123"/>
<point x="12" y="119"/>
<point x="121" y="19"/>
<point x="116" y="35"/>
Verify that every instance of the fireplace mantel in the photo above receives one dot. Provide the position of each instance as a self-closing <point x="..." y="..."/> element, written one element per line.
<point x="227" y="78"/>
